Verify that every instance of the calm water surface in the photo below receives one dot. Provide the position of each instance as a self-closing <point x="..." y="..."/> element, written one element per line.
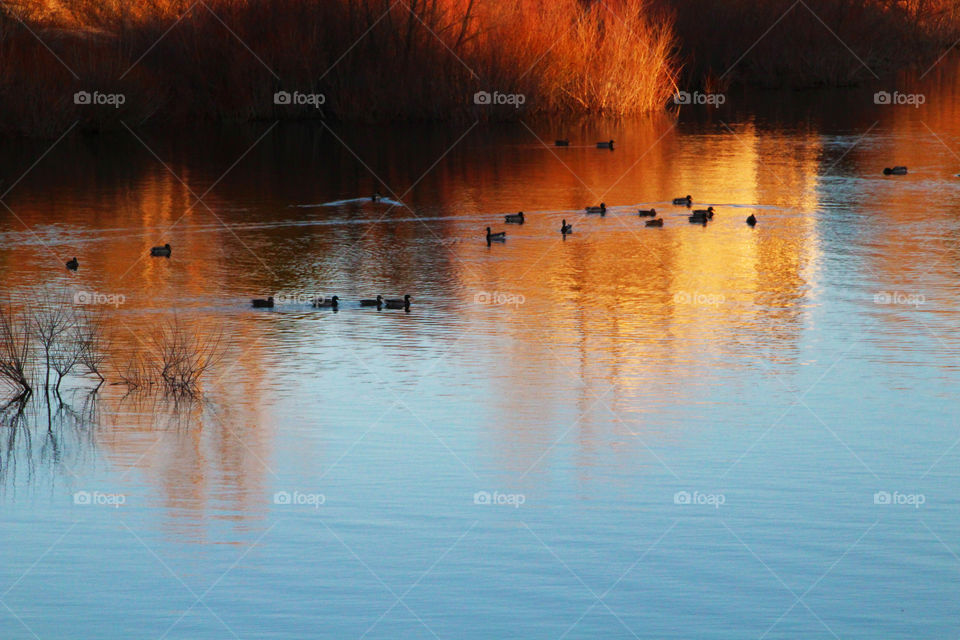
<point x="777" y="377"/>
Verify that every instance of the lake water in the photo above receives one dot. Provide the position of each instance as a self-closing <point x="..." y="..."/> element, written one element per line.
<point x="684" y="432"/>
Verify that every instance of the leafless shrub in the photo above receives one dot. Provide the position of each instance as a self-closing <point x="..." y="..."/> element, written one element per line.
<point x="58" y="337"/>
<point x="16" y="346"/>
<point x="135" y="375"/>
<point x="185" y="355"/>
<point x="89" y="335"/>
<point x="50" y="323"/>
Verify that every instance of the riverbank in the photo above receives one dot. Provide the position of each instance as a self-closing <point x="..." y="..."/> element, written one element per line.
<point x="173" y="62"/>
<point x="369" y="60"/>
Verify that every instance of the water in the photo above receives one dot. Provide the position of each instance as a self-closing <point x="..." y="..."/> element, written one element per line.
<point x="777" y="377"/>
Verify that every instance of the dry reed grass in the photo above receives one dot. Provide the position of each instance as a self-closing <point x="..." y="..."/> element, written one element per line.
<point x="371" y="59"/>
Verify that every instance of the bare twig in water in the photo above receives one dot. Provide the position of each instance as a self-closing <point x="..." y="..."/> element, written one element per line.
<point x="185" y="356"/>
<point x="90" y="338"/>
<point x="50" y="323"/>
<point x="16" y="344"/>
<point x="135" y="375"/>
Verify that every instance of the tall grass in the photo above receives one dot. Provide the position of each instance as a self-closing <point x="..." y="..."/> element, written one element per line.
<point x="371" y="59"/>
<point x="376" y="60"/>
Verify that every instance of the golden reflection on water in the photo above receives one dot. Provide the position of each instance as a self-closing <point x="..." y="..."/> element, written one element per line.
<point x="638" y="316"/>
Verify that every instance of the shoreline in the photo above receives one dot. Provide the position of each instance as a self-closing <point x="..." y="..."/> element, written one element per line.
<point x="369" y="68"/>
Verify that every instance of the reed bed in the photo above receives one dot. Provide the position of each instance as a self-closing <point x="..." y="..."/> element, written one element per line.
<point x="379" y="60"/>
<point x="369" y="59"/>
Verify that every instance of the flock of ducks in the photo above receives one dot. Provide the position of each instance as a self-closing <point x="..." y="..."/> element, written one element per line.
<point x="697" y="216"/>
<point x="333" y="303"/>
<point x="160" y="252"/>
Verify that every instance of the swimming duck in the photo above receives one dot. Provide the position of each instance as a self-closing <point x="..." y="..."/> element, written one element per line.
<point x="73" y="264"/>
<point x="514" y="218"/>
<point x="259" y="303"/>
<point x="752" y="220"/>
<point x="605" y="145"/>
<point x="655" y="223"/>
<point x="708" y="212"/>
<point x="698" y="219"/>
<point x="648" y="213"/>
<point x="398" y="303"/>
<point x="602" y="209"/>
<point x="566" y="228"/>
<point x="327" y="303"/>
<point x="162" y="252"/>
<point x="500" y="236"/>
<point x="563" y="143"/>
<point x="895" y="171"/>
<point x="688" y="201"/>
<point x="377" y="302"/>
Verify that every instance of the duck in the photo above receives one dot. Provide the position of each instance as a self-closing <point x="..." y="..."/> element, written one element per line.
<point x="752" y="220"/>
<point x="655" y="223"/>
<point x="162" y="252"/>
<point x="602" y="209"/>
<point x="563" y="142"/>
<point x="648" y="213"/>
<point x="259" y="303"/>
<point x="496" y="237"/>
<point x="708" y="212"/>
<point x="73" y="264"/>
<point x="327" y="303"/>
<point x="398" y="303"/>
<point x="566" y="228"/>
<point x="605" y="145"/>
<point x="514" y="218"/>
<point x="895" y="171"/>
<point x="376" y="302"/>
<point x="688" y="201"/>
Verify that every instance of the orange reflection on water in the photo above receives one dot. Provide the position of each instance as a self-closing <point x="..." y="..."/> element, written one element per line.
<point x="636" y="316"/>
